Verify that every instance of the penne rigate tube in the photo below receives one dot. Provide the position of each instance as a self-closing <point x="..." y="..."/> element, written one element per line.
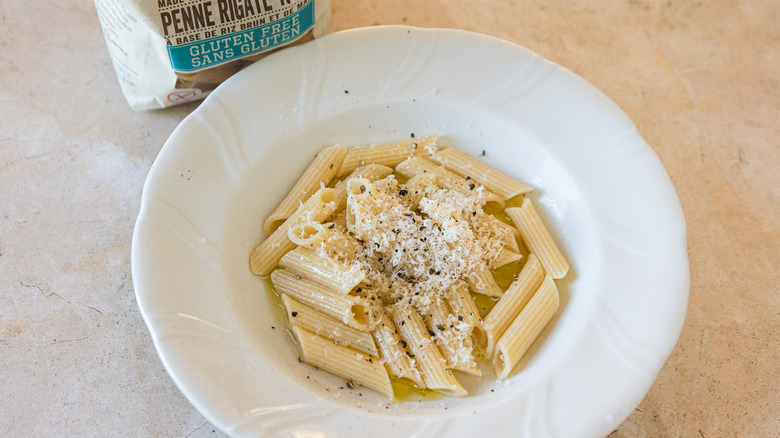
<point x="371" y="172"/>
<point x="301" y="315"/>
<point x="449" y="180"/>
<point x="415" y="188"/>
<point x="453" y="338"/>
<point x="314" y="235"/>
<point x="320" y="172"/>
<point x="395" y="355"/>
<point x="363" y="201"/>
<point x="504" y="257"/>
<point x="463" y="306"/>
<point x="339" y="219"/>
<point x="538" y="239"/>
<point x="266" y="256"/>
<point x="482" y="282"/>
<point x="503" y="231"/>
<point x="353" y="311"/>
<point x="345" y="362"/>
<point x="502" y="185"/>
<point x="326" y="271"/>
<point x="387" y="154"/>
<point x="514" y="300"/>
<point x="528" y="325"/>
<point x="435" y="373"/>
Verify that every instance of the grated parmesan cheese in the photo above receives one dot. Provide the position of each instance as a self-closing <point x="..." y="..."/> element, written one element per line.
<point x="414" y="256"/>
<point x="418" y="242"/>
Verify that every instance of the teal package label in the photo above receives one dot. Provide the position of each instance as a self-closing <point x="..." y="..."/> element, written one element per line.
<point x="204" y="34"/>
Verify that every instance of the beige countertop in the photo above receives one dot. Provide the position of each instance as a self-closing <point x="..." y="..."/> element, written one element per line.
<point x="701" y="80"/>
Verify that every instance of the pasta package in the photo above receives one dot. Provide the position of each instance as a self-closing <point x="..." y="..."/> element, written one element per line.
<point x="168" y="52"/>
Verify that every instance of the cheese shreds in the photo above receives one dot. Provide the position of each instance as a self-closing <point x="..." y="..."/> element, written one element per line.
<point x="416" y="256"/>
<point x="418" y="243"/>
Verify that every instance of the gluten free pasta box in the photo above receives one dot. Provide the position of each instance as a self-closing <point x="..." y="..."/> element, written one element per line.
<point x="168" y="52"/>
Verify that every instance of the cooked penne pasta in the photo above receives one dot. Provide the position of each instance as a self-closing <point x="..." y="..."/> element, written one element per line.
<point x="266" y="256"/>
<point x="506" y="233"/>
<point x="356" y="367"/>
<point x="396" y="356"/>
<point x="500" y="184"/>
<point x="415" y="189"/>
<point x="353" y="311"/>
<point x="435" y="373"/>
<point x="339" y="219"/>
<point x="388" y="186"/>
<point x="538" y="239"/>
<point x="301" y="315"/>
<point x="515" y="298"/>
<point x="326" y="271"/>
<point x="314" y="235"/>
<point x="371" y="172"/>
<point x="463" y="306"/>
<point x="321" y="170"/>
<point x="364" y="201"/>
<point x="377" y="273"/>
<point x="449" y="180"/>
<point x="359" y="186"/>
<point x="453" y="338"/>
<point x="504" y="257"/>
<point x="524" y="330"/>
<point x="387" y="154"/>
<point x="482" y="282"/>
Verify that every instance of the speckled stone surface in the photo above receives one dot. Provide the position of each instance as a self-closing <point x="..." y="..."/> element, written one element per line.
<point x="701" y="80"/>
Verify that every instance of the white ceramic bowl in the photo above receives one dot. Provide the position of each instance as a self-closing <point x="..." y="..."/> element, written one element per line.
<point x="601" y="189"/>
